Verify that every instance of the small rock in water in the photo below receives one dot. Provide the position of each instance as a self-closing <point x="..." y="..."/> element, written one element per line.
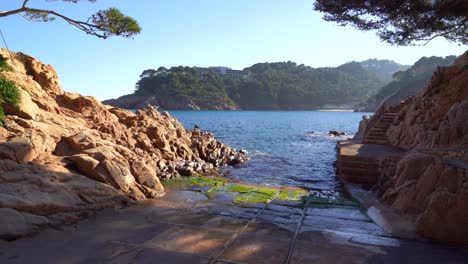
<point x="243" y="151"/>
<point x="336" y="133"/>
<point x="236" y="159"/>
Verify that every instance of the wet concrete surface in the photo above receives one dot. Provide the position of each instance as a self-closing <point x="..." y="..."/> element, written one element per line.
<point x="187" y="227"/>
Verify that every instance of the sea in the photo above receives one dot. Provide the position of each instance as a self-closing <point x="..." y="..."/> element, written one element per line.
<point x="286" y="148"/>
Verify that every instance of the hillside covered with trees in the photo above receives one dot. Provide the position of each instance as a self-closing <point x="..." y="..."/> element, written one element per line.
<point x="263" y="86"/>
<point x="410" y="82"/>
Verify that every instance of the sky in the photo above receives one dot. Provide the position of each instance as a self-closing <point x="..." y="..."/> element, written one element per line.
<point x="200" y="33"/>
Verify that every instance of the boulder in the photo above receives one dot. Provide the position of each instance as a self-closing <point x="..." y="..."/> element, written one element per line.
<point x="44" y="75"/>
<point x="116" y="173"/>
<point x="84" y="164"/>
<point x="145" y="174"/>
<point x="359" y="137"/>
<point x="26" y="148"/>
<point x="14" y="224"/>
<point x="26" y="108"/>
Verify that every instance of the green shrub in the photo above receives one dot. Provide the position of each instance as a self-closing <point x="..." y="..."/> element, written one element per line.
<point x="2" y="116"/>
<point x="4" y="64"/>
<point x="9" y="93"/>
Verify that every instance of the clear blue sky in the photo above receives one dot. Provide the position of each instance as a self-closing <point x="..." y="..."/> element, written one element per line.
<point x="195" y="33"/>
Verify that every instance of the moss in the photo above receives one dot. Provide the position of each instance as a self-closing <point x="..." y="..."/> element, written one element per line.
<point x="239" y="188"/>
<point x="292" y="194"/>
<point x="4" y="66"/>
<point x="244" y="188"/>
<point x="245" y="193"/>
<point x="251" y="194"/>
<point x="215" y="182"/>
<point x="2" y="116"/>
<point x="253" y="197"/>
<point x="9" y="93"/>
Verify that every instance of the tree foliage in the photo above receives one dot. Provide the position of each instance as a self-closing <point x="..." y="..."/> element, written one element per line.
<point x="102" y="24"/>
<point x="4" y="66"/>
<point x="402" y="22"/>
<point x="8" y="94"/>
<point x="283" y="85"/>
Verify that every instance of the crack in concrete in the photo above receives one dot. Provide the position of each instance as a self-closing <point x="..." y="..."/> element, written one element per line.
<point x="238" y="233"/>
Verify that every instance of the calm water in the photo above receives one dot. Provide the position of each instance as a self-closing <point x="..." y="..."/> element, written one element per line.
<point x="286" y="147"/>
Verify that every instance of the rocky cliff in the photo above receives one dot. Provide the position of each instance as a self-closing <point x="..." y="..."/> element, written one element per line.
<point x="429" y="184"/>
<point x="63" y="155"/>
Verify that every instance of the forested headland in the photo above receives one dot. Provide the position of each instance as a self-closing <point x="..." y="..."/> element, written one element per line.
<point x="262" y="86"/>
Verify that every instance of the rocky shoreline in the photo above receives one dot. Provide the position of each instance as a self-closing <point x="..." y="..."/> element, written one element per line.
<point x="131" y="101"/>
<point x="64" y="156"/>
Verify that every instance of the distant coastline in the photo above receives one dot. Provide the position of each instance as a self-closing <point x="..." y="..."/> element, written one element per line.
<point x="335" y="110"/>
<point x="262" y="86"/>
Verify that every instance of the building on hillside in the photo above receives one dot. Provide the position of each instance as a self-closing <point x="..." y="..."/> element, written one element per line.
<point x="225" y="72"/>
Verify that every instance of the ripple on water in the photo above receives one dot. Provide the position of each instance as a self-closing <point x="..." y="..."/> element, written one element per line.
<point x="286" y="147"/>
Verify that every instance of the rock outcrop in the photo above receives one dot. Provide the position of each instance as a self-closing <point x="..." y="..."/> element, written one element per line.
<point x="430" y="183"/>
<point x="131" y="101"/>
<point x="64" y="156"/>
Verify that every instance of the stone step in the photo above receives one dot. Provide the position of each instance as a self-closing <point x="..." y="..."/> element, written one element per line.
<point x="382" y="126"/>
<point x="354" y="171"/>
<point x="383" y="132"/>
<point x="385" y="122"/>
<point x="378" y="130"/>
<point x="372" y="137"/>
<point x="371" y="134"/>
<point x="345" y="158"/>
<point x="375" y="142"/>
<point x="377" y="133"/>
<point x="382" y="120"/>
<point x="361" y="179"/>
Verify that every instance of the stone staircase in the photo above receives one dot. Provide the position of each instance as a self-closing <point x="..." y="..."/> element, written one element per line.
<point x="377" y="133"/>
<point x="362" y="163"/>
<point x="358" y="169"/>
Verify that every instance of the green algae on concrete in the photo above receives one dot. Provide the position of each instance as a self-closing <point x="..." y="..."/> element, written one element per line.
<point x="250" y="193"/>
<point x="244" y="188"/>
<point x="183" y="182"/>
<point x="243" y="193"/>
<point x="253" y="197"/>
<point x="292" y="194"/>
<point x="255" y="194"/>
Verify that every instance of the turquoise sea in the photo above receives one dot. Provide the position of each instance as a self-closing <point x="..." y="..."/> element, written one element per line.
<point x="286" y="147"/>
